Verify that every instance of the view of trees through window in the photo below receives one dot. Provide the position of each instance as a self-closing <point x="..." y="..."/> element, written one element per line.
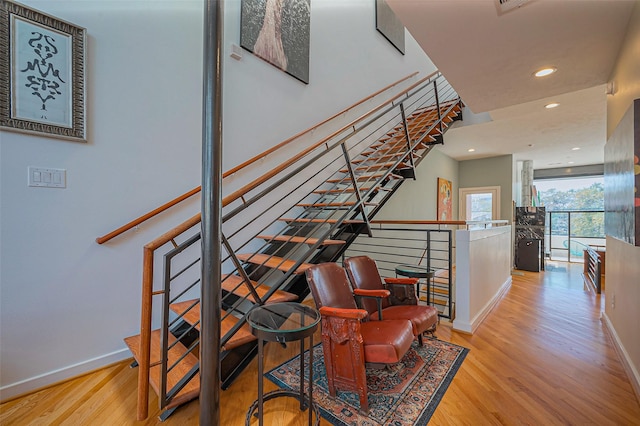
<point x="481" y="206"/>
<point x="576" y="207"/>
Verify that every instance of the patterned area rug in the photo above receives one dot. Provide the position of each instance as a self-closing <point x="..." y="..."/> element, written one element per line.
<point x="406" y="394"/>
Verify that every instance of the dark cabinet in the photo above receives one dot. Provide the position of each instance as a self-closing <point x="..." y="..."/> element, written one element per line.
<point x="529" y="244"/>
<point x="528" y="255"/>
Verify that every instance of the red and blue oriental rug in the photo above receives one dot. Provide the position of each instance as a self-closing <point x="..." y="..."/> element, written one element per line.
<point x="405" y="394"/>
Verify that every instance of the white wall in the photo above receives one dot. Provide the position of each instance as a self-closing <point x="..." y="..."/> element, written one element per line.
<point x="416" y="199"/>
<point x="66" y="302"/>
<point x="623" y="260"/>
<point x="483" y="274"/>
<point x="493" y="171"/>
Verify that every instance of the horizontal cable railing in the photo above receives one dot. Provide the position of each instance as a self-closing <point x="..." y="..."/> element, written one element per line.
<point x="303" y="199"/>
<point x="426" y="244"/>
<point x="103" y="239"/>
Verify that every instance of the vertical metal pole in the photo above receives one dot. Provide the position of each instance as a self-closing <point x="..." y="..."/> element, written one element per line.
<point x="311" y="370"/>
<point x="569" y="237"/>
<point x="260" y="382"/>
<point x="211" y="215"/>
<point x="550" y="234"/>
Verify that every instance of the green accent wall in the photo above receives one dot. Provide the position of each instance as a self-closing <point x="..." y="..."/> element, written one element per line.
<point x="494" y="171"/>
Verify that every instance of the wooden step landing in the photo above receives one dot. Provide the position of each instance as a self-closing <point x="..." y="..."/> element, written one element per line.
<point x="274" y="262"/>
<point x="190" y="311"/>
<point x="191" y="390"/>
<point x="235" y="284"/>
<point x="299" y="240"/>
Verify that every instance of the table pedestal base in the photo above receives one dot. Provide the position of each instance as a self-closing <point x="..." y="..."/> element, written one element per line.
<point x="279" y="393"/>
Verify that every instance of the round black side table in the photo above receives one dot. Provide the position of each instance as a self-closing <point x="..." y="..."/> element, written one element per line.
<point x="415" y="271"/>
<point x="284" y="322"/>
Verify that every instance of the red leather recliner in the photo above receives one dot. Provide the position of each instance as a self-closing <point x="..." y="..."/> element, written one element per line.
<point x="365" y="278"/>
<point x="349" y="340"/>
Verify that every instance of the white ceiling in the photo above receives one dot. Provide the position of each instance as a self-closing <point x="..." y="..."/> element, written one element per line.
<point x="489" y="57"/>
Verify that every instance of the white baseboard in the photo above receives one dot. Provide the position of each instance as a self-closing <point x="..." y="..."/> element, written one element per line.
<point x="47" y="379"/>
<point x="472" y="326"/>
<point x="629" y="368"/>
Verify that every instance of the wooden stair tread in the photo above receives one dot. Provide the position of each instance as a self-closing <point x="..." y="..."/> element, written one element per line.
<point x="340" y="191"/>
<point x="364" y="178"/>
<point x="336" y="204"/>
<point x="327" y="221"/>
<point x="439" y="290"/>
<point x="190" y="312"/>
<point x="191" y="390"/>
<point x="235" y="284"/>
<point x="299" y="240"/>
<point x="385" y="157"/>
<point x="374" y="167"/>
<point x="435" y="300"/>
<point x="443" y="273"/>
<point x="384" y="146"/>
<point x="274" y="262"/>
<point x="358" y="178"/>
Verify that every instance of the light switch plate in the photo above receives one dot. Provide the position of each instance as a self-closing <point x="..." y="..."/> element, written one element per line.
<point x="47" y="177"/>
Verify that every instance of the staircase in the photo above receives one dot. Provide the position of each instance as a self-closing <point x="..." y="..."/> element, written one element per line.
<point x="306" y="211"/>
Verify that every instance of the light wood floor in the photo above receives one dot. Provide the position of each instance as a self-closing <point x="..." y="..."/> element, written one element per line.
<point x="541" y="357"/>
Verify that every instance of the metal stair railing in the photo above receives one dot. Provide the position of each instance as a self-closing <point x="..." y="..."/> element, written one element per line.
<point x="422" y="243"/>
<point x="251" y="211"/>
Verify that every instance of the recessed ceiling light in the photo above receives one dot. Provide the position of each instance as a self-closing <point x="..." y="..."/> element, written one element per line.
<point x="575" y="148"/>
<point x="471" y="150"/>
<point x="545" y="71"/>
<point x="552" y="105"/>
<point x="570" y="162"/>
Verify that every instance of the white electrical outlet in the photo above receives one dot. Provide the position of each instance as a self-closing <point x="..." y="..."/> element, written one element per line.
<point x="613" y="301"/>
<point x="46" y="177"/>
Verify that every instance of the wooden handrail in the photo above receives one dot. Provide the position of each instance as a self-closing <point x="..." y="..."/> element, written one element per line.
<point x="262" y="179"/>
<point x="418" y="222"/>
<point x="144" y="360"/>
<point x="152" y="213"/>
<point x="138" y="221"/>
<point x="439" y="222"/>
<point x="310" y="129"/>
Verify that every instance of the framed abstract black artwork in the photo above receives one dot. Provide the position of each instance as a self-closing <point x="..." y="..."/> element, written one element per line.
<point x="42" y="84"/>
